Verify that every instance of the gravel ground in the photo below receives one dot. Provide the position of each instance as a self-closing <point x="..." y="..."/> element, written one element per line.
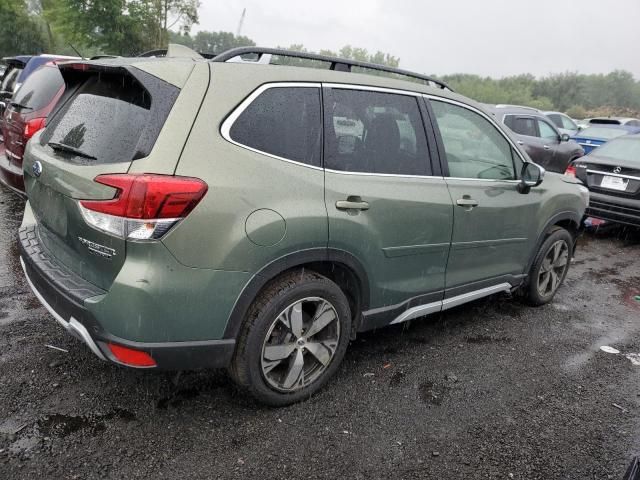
<point x="493" y="389"/>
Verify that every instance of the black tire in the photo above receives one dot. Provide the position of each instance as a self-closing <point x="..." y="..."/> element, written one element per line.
<point x="293" y="288"/>
<point x="534" y="293"/>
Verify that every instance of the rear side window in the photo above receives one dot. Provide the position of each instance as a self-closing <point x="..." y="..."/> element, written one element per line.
<point x="9" y="79"/>
<point x="283" y="121"/>
<point x="110" y="118"/>
<point x="39" y="89"/>
<point x="373" y="132"/>
<point x="521" y="125"/>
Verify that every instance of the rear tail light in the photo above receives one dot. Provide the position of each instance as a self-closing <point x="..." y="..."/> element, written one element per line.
<point x="145" y="207"/>
<point x="131" y="357"/>
<point x="570" y="171"/>
<point x="32" y="126"/>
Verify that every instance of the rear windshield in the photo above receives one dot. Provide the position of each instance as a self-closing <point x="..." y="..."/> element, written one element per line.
<point x="605" y="121"/>
<point x="9" y="80"/>
<point x="39" y="89"/>
<point x="621" y="149"/>
<point x="104" y="119"/>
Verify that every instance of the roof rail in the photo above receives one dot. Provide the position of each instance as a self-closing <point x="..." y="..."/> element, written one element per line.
<point x="336" y="63"/>
<point x="506" y="105"/>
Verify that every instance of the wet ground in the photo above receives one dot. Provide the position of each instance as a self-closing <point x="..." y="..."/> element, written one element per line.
<point x="494" y="389"/>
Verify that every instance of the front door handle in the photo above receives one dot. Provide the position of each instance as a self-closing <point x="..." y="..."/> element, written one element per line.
<point x="467" y="202"/>
<point x="546" y="147"/>
<point x="352" y="203"/>
<point x="520" y="142"/>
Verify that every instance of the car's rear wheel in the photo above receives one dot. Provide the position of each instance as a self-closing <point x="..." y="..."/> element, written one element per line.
<point x="294" y="339"/>
<point x="550" y="267"/>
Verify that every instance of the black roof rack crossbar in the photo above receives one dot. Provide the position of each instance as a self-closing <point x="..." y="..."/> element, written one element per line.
<point x="338" y="64"/>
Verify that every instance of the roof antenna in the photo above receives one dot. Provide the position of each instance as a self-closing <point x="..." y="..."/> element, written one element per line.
<point x="76" y="50"/>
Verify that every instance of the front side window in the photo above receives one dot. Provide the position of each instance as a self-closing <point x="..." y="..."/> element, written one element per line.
<point x="521" y="125"/>
<point x="474" y="147"/>
<point x="283" y="121"/>
<point x="546" y="130"/>
<point x="373" y="132"/>
<point x="567" y="123"/>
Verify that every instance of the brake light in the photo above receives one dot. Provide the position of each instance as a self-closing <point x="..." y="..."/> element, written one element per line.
<point x="131" y="357"/>
<point x="32" y="127"/>
<point x="570" y="171"/>
<point x="145" y="207"/>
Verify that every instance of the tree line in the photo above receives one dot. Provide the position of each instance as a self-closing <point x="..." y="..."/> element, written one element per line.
<point x="130" y="27"/>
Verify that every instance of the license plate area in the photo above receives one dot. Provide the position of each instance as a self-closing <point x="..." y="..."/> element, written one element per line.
<point x="614" y="183"/>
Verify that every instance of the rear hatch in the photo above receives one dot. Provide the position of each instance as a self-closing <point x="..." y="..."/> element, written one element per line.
<point x="609" y="176"/>
<point x="28" y="109"/>
<point x="108" y="118"/>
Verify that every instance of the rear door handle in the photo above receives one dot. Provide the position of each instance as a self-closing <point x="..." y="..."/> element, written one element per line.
<point x="546" y="147"/>
<point x="520" y="142"/>
<point x="352" y="203"/>
<point x="466" y="202"/>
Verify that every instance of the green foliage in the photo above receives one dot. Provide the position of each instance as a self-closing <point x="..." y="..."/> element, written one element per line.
<point x="616" y="93"/>
<point x="20" y="32"/>
<point x="210" y="42"/>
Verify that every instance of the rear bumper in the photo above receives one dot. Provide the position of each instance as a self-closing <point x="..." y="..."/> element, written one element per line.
<point x="11" y="175"/>
<point x="614" y="209"/>
<point x="61" y="292"/>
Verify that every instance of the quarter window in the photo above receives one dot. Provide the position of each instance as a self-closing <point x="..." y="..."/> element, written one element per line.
<point x="474" y="147"/>
<point x="521" y="125"/>
<point x="373" y="132"/>
<point x="283" y="121"/>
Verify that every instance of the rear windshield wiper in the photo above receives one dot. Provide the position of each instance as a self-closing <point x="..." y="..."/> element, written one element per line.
<point x="69" y="149"/>
<point x="18" y="105"/>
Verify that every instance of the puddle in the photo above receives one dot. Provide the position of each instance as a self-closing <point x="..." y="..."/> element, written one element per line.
<point x="60" y="425"/>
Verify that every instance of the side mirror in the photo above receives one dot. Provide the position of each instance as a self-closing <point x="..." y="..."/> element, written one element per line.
<point x="564" y="137"/>
<point x="530" y="176"/>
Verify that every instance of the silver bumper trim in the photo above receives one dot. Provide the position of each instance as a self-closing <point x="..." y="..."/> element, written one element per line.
<point x="73" y="326"/>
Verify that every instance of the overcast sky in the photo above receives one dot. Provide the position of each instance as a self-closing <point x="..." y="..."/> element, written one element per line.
<point x="487" y="37"/>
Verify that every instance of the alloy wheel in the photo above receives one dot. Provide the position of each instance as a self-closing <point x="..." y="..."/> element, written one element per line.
<point x="553" y="268"/>
<point x="300" y="344"/>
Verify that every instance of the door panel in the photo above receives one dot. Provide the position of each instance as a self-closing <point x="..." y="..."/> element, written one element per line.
<point x="492" y="224"/>
<point x="383" y="204"/>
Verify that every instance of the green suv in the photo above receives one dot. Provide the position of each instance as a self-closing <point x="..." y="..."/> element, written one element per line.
<point x="186" y="213"/>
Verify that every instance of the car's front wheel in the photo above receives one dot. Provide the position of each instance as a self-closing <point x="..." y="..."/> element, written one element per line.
<point x="293" y="340"/>
<point x="550" y="267"/>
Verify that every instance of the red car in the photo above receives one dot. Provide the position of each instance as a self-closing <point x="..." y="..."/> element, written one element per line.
<point x="26" y="113"/>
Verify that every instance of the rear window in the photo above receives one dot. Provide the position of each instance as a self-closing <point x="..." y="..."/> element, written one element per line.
<point x="627" y="149"/>
<point x="110" y="117"/>
<point x="9" y="80"/>
<point x="599" y="132"/>
<point x="604" y="121"/>
<point x="39" y="89"/>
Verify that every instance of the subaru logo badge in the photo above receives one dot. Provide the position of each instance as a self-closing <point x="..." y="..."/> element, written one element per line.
<point x="37" y="169"/>
<point x="617" y="170"/>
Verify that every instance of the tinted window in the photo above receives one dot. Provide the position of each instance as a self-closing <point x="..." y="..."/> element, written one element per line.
<point x="546" y="130"/>
<point x="521" y="125"/>
<point x="474" y="147"/>
<point x="374" y="132"/>
<point x="9" y="80"/>
<point x="556" y="119"/>
<point x="104" y="119"/>
<point x="39" y="89"/>
<point x="283" y="121"/>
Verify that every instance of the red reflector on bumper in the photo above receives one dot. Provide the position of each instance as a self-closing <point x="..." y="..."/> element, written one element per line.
<point x="129" y="356"/>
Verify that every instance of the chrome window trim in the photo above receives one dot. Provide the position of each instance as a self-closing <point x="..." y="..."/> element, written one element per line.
<point x="368" y="88"/>
<point x="611" y="174"/>
<point x="225" y="128"/>
<point x="482" y="114"/>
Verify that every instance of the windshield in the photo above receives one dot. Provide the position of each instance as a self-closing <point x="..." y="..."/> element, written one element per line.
<point x="605" y="133"/>
<point x="39" y="89"/>
<point x="622" y="149"/>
